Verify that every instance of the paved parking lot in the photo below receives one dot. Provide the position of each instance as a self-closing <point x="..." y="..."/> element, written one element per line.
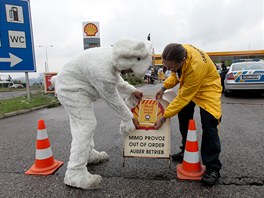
<point x="241" y="134"/>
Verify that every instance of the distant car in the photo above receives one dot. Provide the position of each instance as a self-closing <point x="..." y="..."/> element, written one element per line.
<point x="16" y="86"/>
<point x="148" y="73"/>
<point x="244" y="76"/>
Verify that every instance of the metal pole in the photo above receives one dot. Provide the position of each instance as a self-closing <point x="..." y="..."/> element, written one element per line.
<point x="46" y="67"/>
<point x="27" y="85"/>
<point x="153" y="58"/>
<point x="46" y="52"/>
<point x="46" y="48"/>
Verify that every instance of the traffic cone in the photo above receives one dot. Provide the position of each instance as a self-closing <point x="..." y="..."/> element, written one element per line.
<point x="191" y="168"/>
<point x="44" y="160"/>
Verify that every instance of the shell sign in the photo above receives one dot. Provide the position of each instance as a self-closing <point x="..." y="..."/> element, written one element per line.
<point x="147" y="112"/>
<point x="91" y="30"/>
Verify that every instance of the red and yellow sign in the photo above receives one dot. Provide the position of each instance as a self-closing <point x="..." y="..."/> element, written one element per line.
<point x="147" y="112"/>
<point x="146" y="141"/>
<point x="49" y="87"/>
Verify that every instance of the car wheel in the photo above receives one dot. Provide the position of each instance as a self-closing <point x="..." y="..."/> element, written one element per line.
<point x="227" y="93"/>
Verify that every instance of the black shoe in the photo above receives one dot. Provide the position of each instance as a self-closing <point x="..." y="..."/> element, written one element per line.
<point x="210" y="177"/>
<point x="178" y="157"/>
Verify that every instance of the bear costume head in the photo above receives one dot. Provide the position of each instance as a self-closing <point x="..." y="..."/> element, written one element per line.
<point x="132" y="55"/>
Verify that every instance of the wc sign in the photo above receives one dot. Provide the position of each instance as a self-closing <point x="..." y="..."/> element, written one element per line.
<point x="16" y="40"/>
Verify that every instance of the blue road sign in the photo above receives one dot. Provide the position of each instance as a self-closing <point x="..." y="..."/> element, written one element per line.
<point x="16" y="39"/>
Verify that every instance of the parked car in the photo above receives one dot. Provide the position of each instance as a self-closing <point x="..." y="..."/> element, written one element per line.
<point x="244" y="76"/>
<point x="16" y="86"/>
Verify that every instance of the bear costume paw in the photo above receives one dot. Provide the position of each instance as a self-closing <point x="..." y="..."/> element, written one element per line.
<point x="82" y="179"/>
<point x="96" y="157"/>
<point x="126" y="127"/>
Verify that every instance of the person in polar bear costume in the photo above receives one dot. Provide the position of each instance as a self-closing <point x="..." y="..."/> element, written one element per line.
<point x="92" y="75"/>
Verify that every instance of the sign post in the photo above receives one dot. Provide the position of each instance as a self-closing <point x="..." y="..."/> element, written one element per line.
<point x="16" y="39"/>
<point x="91" y="34"/>
<point x="49" y="87"/>
<point x="146" y="141"/>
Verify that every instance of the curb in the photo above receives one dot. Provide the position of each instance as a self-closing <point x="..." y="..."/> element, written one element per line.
<point x="22" y="111"/>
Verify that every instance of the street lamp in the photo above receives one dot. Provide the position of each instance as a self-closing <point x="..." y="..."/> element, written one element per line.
<point x="148" y="37"/>
<point x="152" y="52"/>
<point x="46" y="63"/>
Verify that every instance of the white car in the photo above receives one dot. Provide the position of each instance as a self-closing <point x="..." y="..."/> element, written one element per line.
<point x="16" y="86"/>
<point x="244" y="76"/>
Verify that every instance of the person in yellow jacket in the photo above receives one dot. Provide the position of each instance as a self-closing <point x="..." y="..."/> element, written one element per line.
<point x="200" y="84"/>
<point x="161" y="75"/>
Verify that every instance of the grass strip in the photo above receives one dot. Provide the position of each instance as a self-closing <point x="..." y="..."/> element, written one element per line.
<point x="21" y="102"/>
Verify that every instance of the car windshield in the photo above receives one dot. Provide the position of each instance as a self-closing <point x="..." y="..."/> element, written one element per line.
<point x="248" y="66"/>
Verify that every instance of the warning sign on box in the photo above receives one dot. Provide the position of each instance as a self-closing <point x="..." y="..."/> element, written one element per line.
<point x="148" y="112"/>
<point x="146" y="141"/>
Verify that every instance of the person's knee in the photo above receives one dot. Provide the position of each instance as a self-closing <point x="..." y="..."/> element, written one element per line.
<point x="83" y="128"/>
<point x="211" y="141"/>
<point x="208" y="121"/>
<point x="88" y="125"/>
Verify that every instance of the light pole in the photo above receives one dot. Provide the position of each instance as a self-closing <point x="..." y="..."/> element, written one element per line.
<point x="46" y="62"/>
<point x="152" y="52"/>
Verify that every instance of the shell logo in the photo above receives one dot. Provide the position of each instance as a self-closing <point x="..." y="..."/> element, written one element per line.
<point x="90" y="29"/>
<point x="135" y="112"/>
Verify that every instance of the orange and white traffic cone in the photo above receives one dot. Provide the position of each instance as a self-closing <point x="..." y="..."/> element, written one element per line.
<point x="44" y="160"/>
<point x="191" y="168"/>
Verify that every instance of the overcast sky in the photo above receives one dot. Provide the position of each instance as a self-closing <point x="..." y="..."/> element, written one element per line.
<point x="211" y="25"/>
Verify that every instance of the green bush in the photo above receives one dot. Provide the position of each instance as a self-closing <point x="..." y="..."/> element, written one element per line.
<point x="131" y="79"/>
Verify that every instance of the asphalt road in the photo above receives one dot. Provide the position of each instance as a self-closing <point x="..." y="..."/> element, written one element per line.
<point x="241" y="133"/>
<point x="13" y="94"/>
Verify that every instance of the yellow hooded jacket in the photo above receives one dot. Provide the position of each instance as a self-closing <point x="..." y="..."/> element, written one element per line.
<point x="199" y="82"/>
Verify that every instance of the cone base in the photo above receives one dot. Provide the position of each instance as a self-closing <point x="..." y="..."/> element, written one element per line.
<point x="184" y="175"/>
<point x="44" y="171"/>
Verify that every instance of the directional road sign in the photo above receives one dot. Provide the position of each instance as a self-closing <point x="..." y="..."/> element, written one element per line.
<point x="16" y="40"/>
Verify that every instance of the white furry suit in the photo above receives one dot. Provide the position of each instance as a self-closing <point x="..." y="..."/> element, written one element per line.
<point x="96" y="74"/>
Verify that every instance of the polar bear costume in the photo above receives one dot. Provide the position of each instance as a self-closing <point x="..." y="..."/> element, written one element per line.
<point x="92" y="75"/>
